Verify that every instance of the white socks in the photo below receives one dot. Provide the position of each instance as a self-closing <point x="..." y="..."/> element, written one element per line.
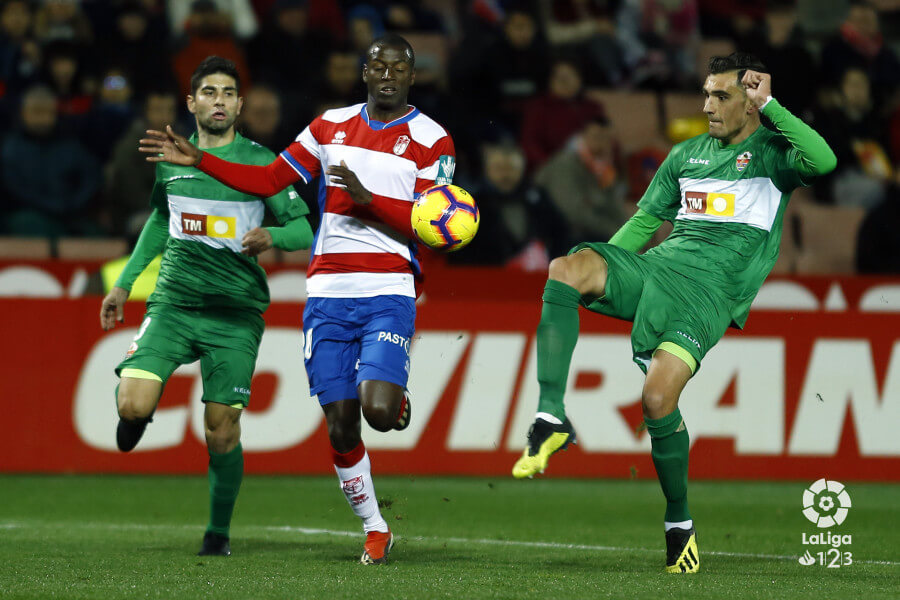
<point x="356" y="483"/>
<point x="548" y="417"/>
<point x="686" y="525"/>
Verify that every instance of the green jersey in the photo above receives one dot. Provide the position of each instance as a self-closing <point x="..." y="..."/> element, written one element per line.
<point x="726" y="204"/>
<point x="202" y="265"/>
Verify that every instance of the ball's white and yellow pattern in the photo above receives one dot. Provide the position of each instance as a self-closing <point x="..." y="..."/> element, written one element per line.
<point x="445" y="217"/>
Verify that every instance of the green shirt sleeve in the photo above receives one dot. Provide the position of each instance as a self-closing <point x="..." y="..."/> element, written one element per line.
<point x="287" y="205"/>
<point x="158" y="197"/>
<point x="663" y="196"/>
<point x="809" y="154"/>
<point x="296" y="234"/>
<point x="636" y="231"/>
<point x="151" y="242"/>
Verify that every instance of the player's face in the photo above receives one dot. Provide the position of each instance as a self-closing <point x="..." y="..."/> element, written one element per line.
<point x="726" y="105"/>
<point x="216" y="103"/>
<point x="388" y="75"/>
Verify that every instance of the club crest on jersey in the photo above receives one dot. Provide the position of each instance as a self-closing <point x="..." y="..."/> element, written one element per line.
<point x="339" y="137"/>
<point x="742" y="161"/>
<point x="401" y="145"/>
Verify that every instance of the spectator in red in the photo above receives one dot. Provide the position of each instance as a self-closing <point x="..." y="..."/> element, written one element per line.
<point x="554" y="117"/>
<point x="209" y="33"/>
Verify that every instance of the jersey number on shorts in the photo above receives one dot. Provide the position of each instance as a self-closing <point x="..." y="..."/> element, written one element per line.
<point x="307" y="344"/>
<point x="143" y="328"/>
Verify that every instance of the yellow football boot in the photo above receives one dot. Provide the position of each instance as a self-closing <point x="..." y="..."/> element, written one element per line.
<point x="682" y="555"/>
<point x="544" y="439"/>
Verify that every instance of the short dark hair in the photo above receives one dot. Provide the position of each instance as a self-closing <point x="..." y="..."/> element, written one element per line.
<point x="396" y="41"/>
<point x="212" y="65"/>
<point x="736" y="61"/>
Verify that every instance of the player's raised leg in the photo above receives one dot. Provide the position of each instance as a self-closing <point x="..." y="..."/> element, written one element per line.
<point x="582" y="274"/>
<point x="136" y="397"/>
<point x="354" y="470"/>
<point x="668" y="373"/>
<point x="226" y="472"/>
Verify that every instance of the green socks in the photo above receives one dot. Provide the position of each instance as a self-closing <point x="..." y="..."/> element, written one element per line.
<point x="556" y="337"/>
<point x="670" y="444"/>
<point x="225" y="474"/>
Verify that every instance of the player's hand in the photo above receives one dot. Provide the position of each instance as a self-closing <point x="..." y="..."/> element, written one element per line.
<point x="168" y="146"/>
<point x="344" y="177"/>
<point x="758" y="86"/>
<point x="256" y="241"/>
<point x="113" y="308"/>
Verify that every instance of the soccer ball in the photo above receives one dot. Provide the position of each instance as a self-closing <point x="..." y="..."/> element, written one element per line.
<point x="445" y="217"/>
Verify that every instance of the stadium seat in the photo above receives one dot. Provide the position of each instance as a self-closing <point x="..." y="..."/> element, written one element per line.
<point x="827" y="238"/>
<point x="24" y="248"/>
<point x="679" y="105"/>
<point x="709" y="48"/>
<point x="634" y="117"/>
<point x="91" y="248"/>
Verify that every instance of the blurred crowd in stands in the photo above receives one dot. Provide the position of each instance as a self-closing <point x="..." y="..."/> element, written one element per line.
<point x="561" y="110"/>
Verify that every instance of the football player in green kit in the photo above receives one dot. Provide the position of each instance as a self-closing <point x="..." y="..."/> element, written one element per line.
<point x="725" y="193"/>
<point x="210" y="294"/>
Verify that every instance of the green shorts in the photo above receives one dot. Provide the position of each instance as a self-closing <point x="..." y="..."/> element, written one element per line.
<point x="225" y="341"/>
<point x="664" y="305"/>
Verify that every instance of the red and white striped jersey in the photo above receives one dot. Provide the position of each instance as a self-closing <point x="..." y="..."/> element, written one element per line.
<point x="354" y="253"/>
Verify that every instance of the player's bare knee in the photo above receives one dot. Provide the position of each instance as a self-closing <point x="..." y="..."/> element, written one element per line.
<point x="222" y="437"/>
<point x="381" y="414"/>
<point x="133" y="406"/>
<point x="584" y="270"/>
<point x="656" y="403"/>
<point x="558" y="269"/>
<point x="223" y="428"/>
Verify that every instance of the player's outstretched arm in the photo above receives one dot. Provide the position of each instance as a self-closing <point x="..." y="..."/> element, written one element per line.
<point x="263" y="181"/>
<point x="168" y="146"/>
<point x="814" y="157"/>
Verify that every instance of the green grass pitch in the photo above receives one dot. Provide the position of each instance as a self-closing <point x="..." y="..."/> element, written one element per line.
<point x="110" y="537"/>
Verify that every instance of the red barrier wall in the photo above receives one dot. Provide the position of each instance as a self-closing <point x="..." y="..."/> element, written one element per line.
<point x="798" y="394"/>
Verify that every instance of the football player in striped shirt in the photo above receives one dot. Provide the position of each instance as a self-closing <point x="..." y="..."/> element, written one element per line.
<point x="725" y="193"/>
<point x="372" y="160"/>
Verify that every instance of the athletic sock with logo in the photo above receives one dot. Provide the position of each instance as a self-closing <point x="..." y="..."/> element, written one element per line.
<point x="557" y="334"/>
<point x="355" y="473"/>
<point x="670" y="445"/>
<point x="226" y="471"/>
